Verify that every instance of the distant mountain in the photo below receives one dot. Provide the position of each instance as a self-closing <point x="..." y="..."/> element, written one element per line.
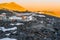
<point x="12" y="6"/>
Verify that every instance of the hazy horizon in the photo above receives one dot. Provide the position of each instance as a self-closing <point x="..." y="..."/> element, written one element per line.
<point x="38" y="5"/>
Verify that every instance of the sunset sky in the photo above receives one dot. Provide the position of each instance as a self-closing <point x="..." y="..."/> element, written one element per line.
<point x="38" y="5"/>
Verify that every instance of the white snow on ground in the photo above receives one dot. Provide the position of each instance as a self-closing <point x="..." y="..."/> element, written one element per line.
<point x="7" y="34"/>
<point x="4" y="29"/>
<point x="7" y="39"/>
<point x="41" y="15"/>
<point x="12" y="24"/>
<point x="17" y="24"/>
<point x="15" y="17"/>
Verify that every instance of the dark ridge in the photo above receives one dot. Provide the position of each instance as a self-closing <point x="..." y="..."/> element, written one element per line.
<point x="22" y="11"/>
<point x="8" y="12"/>
<point x="50" y="16"/>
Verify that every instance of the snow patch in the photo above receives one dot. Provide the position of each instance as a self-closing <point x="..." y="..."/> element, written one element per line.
<point x="7" y="39"/>
<point x="4" y="29"/>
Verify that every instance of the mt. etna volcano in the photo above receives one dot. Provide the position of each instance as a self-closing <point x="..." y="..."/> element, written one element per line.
<point x="12" y="6"/>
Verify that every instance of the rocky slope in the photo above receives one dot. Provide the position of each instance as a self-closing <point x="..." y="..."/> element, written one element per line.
<point x="43" y="28"/>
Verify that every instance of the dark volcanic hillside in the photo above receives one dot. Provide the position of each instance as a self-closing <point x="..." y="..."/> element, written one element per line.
<point x="8" y="12"/>
<point x="45" y="27"/>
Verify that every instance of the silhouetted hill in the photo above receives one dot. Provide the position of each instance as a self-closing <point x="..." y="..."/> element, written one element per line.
<point x="12" y="6"/>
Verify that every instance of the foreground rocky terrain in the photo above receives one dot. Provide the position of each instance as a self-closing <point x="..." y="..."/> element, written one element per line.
<point x="43" y="28"/>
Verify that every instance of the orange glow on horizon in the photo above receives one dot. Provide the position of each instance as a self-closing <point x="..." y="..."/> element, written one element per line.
<point x="37" y="5"/>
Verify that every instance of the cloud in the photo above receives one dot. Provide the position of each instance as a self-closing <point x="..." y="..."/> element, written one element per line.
<point x="4" y="1"/>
